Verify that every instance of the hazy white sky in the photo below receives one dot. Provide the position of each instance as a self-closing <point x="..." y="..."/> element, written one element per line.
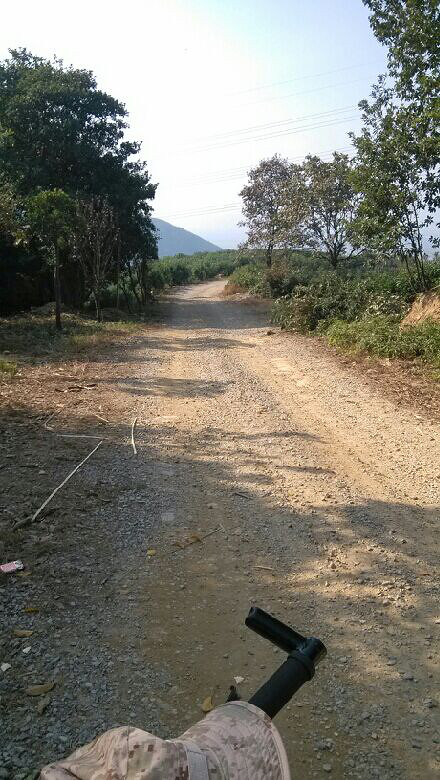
<point x="213" y="86"/>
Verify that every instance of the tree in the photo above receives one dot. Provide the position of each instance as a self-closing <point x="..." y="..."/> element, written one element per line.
<point x="55" y="124"/>
<point x="95" y="241"/>
<point x="58" y="131"/>
<point x="395" y="206"/>
<point x="8" y="210"/>
<point x="51" y="215"/>
<point x="263" y="198"/>
<point x="398" y="150"/>
<point x="411" y="30"/>
<point x="322" y="203"/>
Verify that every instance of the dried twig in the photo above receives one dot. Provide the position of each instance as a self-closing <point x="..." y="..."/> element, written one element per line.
<point x="197" y="538"/>
<point x="98" y="417"/>
<point x="48" y="420"/>
<point x="78" y="436"/>
<point x="133" y="425"/>
<point x="27" y="520"/>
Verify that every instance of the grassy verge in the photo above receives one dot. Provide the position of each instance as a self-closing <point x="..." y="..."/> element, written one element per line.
<point x="383" y="337"/>
<point x="355" y="308"/>
<point x="34" y="335"/>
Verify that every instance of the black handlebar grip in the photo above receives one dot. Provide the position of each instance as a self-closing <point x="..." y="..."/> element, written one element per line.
<point x="274" y="630"/>
<point x="279" y="689"/>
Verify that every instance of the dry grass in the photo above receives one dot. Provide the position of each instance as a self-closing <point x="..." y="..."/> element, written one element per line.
<point x="232" y="289"/>
<point x="34" y="335"/>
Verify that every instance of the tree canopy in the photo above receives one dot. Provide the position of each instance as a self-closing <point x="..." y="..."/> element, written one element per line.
<point x="60" y="133"/>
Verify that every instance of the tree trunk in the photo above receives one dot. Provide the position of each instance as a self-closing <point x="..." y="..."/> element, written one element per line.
<point x="269" y="251"/>
<point x="57" y="289"/>
<point x="118" y="276"/>
<point x="97" y="297"/>
<point x="334" y="258"/>
<point x="127" y="299"/>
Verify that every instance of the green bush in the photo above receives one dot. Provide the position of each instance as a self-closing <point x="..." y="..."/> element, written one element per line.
<point x="7" y="368"/>
<point x="184" y="269"/>
<point x="333" y="296"/>
<point x="382" y="336"/>
<point x="250" y="277"/>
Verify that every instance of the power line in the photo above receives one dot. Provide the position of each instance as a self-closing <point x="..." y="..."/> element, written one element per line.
<point x="290" y="131"/>
<point x="268" y="125"/>
<point x="302" y="78"/>
<point x="205" y="212"/>
<point x="232" y="174"/>
<point x="303" y="92"/>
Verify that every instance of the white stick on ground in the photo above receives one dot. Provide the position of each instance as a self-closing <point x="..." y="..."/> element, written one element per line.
<point x="40" y="509"/>
<point x="133" y="425"/>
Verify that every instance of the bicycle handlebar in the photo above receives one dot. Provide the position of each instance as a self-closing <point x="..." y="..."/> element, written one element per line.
<point x="304" y="654"/>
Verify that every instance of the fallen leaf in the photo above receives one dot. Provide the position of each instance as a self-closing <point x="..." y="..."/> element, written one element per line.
<point x="42" y="704"/>
<point x="207" y="705"/>
<point x="239" y="679"/>
<point x="27" y="649"/>
<point x="4" y="667"/>
<point x="23" y="573"/>
<point x="195" y="538"/>
<point x="151" y="552"/>
<point x="22" y="632"/>
<point x="38" y="690"/>
<point x="31" y="610"/>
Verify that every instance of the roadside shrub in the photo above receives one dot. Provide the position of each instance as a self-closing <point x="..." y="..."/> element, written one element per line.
<point x="294" y="314"/>
<point x="184" y="269"/>
<point x="250" y="277"/>
<point x="383" y="337"/>
<point x="332" y="296"/>
<point x="7" y="368"/>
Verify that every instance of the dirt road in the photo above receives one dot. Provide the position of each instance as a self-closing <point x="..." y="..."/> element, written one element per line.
<point x="323" y="501"/>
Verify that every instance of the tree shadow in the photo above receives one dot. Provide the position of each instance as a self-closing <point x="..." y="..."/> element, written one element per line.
<point x="358" y="575"/>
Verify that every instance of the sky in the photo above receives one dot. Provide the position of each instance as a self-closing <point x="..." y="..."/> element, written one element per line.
<point x="214" y="86"/>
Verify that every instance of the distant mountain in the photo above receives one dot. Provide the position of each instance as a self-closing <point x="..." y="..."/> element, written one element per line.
<point x="173" y="240"/>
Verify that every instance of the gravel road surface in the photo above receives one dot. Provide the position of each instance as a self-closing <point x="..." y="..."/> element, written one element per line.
<point x="266" y="473"/>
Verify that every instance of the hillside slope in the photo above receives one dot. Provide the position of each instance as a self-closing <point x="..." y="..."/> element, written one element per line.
<point x="173" y="240"/>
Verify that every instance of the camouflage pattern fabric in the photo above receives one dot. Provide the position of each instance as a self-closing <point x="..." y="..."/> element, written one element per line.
<point x="236" y="741"/>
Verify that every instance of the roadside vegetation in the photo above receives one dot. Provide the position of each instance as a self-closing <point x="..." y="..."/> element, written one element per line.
<point x="345" y="246"/>
<point x="35" y="335"/>
<point x="75" y="196"/>
<point x="353" y="307"/>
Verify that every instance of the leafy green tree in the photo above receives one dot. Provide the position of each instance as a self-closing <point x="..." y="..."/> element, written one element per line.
<point x="51" y="215"/>
<point x="95" y="242"/>
<point x="396" y="206"/>
<point x="322" y="203"/>
<point x="58" y="131"/>
<point x="411" y="31"/>
<point x="398" y="150"/>
<point x="9" y="223"/>
<point x="55" y="125"/>
<point x="263" y="198"/>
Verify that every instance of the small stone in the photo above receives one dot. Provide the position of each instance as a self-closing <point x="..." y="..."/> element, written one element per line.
<point x="327" y="767"/>
<point x="407" y="676"/>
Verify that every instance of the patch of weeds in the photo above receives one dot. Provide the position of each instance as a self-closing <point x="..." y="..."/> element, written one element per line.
<point x="7" y="368"/>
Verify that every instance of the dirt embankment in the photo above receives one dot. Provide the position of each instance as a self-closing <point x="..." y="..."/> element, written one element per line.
<point x="267" y="472"/>
<point x="425" y="307"/>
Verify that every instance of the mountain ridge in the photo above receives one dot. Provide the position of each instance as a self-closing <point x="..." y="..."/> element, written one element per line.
<point x="173" y="240"/>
